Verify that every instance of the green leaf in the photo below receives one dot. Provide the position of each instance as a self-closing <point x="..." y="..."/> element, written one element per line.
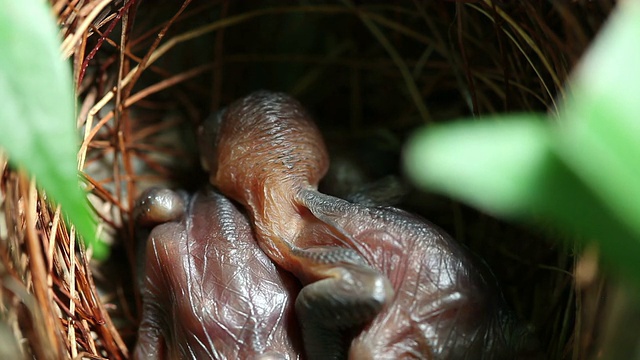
<point x="599" y="135"/>
<point x="37" y="122"/>
<point x="492" y="164"/>
<point x="507" y="166"/>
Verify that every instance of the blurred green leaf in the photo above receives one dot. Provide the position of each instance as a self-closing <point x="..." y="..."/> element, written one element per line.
<point x="599" y="135"/>
<point x="581" y="173"/>
<point x="37" y="122"/>
<point x="482" y="162"/>
<point x="507" y="166"/>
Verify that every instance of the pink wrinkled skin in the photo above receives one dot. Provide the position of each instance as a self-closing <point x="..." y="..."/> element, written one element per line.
<point x="209" y="292"/>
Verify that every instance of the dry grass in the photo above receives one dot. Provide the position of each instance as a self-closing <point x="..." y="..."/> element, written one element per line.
<point x="147" y="72"/>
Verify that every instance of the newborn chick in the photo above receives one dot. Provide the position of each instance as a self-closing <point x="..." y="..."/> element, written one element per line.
<point x="208" y="291"/>
<point x="263" y="152"/>
<point x="424" y="294"/>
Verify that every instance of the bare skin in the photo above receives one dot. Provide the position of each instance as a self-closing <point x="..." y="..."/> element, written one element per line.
<point x="432" y="302"/>
<point x="208" y="290"/>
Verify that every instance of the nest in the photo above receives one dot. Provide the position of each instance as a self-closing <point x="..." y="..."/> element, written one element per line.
<point x="147" y="72"/>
